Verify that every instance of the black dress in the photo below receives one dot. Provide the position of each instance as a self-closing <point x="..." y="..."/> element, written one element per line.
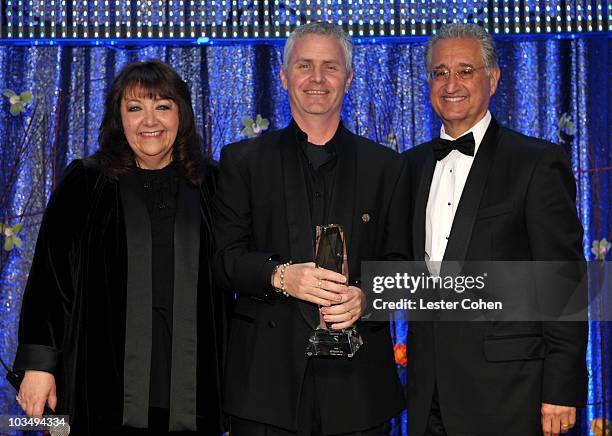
<point x="159" y="188"/>
<point x="81" y="321"/>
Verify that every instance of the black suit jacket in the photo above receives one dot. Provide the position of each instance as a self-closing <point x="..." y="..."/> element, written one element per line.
<point x="262" y="212"/>
<point x="518" y="204"/>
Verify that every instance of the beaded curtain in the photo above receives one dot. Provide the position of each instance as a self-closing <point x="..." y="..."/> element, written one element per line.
<point x="553" y="88"/>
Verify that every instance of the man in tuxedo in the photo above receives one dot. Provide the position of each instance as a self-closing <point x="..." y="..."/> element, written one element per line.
<point x="482" y="192"/>
<point x="273" y="190"/>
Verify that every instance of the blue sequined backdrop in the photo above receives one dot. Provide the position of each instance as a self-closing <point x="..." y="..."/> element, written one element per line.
<point x="542" y="78"/>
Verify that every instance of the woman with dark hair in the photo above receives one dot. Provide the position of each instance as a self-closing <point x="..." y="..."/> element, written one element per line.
<point x="120" y="326"/>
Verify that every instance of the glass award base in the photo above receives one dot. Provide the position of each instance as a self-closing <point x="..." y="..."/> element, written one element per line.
<point x="334" y="343"/>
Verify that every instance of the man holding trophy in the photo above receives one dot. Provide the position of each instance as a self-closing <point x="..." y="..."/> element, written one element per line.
<point x="297" y="210"/>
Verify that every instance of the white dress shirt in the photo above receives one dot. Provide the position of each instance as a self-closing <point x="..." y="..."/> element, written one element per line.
<point x="447" y="184"/>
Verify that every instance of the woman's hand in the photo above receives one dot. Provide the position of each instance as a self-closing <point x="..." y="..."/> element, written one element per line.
<point x="37" y="388"/>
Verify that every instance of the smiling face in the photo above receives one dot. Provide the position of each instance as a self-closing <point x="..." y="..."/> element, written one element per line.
<point x="316" y="78"/>
<point x="150" y="126"/>
<point x="461" y="103"/>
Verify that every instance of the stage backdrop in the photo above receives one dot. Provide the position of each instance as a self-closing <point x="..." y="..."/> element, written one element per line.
<point x="557" y="88"/>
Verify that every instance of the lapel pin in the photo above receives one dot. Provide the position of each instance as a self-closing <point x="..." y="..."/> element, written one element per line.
<point x="365" y="217"/>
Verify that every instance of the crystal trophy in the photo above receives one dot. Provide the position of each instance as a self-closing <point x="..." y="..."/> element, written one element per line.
<point x="331" y="255"/>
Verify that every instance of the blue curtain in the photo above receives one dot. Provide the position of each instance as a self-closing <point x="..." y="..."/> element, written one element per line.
<point x="552" y="88"/>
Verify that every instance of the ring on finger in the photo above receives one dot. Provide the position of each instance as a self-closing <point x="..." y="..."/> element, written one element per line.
<point x="18" y="398"/>
<point x="565" y="426"/>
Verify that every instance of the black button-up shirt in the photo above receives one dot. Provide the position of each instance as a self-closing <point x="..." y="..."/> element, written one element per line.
<point x="319" y="163"/>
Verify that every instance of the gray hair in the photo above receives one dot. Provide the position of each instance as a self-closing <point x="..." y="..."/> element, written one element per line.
<point x="468" y="30"/>
<point x="325" y="29"/>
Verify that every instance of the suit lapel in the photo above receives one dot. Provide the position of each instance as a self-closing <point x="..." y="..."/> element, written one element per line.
<point x="342" y="202"/>
<point x="463" y="224"/>
<point x="420" y="206"/>
<point x="301" y="247"/>
<point x="296" y="199"/>
<point x="184" y="318"/>
<point x="138" y="326"/>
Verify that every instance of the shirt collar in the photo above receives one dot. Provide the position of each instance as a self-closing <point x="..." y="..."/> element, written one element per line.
<point x="302" y="137"/>
<point x="478" y="130"/>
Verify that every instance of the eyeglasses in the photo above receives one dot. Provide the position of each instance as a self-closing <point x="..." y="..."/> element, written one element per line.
<point x="443" y="74"/>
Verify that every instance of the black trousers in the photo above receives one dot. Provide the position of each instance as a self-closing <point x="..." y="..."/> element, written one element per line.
<point x="309" y="418"/>
<point x="435" y="426"/>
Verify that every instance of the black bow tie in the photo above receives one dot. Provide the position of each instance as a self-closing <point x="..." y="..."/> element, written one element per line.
<point x="465" y="145"/>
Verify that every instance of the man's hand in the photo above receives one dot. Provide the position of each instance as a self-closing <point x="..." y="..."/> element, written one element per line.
<point x="557" y="419"/>
<point x="317" y="285"/>
<point x="347" y="313"/>
<point x="37" y="388"/>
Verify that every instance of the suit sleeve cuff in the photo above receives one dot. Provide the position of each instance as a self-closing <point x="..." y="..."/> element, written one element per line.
<point x="267" y="269"/>
<point x="37" y="357"/>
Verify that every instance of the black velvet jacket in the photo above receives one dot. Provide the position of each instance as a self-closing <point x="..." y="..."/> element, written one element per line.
<point x="73" y="320"/>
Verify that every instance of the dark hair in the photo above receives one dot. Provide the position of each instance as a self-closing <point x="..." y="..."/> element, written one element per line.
<point x="158" y="80"/>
